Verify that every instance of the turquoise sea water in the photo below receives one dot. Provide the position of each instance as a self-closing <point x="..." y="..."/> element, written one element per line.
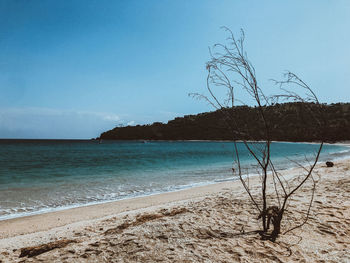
<point x="44" y="175"/>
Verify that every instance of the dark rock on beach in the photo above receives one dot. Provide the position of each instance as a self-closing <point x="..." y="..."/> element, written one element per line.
<point x="329" y="164"/>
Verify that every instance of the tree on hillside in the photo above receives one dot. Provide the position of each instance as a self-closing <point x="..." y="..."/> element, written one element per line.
<point x="232" y="81"/>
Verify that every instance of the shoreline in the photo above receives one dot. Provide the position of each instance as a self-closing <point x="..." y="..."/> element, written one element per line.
<point x="58" y="209"/>
<point x="63" y="217"/>
<point x="19" y="225"/>
<point x="126" y="199"/>
<point x="160" y="227"/>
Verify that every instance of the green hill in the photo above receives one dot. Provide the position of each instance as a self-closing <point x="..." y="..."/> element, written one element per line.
<point x="287" y="122"/>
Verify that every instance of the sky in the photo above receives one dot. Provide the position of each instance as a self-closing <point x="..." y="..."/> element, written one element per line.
<point x="73" y="69"/>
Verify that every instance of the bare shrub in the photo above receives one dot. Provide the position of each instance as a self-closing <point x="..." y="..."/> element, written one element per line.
<point x="232" y="81"/>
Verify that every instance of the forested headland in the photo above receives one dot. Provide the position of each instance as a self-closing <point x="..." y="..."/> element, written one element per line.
<point x="287" y="122"/>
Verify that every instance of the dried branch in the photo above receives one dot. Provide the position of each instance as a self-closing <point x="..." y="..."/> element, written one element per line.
<point x="230" y="68"/>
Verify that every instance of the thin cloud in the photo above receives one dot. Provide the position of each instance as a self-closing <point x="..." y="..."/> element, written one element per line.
<point x="55" y="123"/>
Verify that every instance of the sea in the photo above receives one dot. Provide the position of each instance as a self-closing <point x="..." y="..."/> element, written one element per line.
<point x="38" y="176"/>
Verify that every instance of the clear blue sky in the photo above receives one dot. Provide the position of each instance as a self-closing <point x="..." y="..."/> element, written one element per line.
<point x="72" y="69"/>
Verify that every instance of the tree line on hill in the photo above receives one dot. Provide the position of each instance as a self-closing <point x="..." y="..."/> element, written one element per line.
<point x="288" y="122"/>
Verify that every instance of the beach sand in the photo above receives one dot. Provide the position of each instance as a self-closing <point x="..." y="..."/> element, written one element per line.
<point x="211" y="223"/>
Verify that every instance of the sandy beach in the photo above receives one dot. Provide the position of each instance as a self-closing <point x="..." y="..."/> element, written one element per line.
<point x="174" y="131"/>
<point x="211" y="223"/>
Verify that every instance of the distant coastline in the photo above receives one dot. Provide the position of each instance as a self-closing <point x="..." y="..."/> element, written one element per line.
<point x="289" y="122"/>
<point x="340" y="142"/>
